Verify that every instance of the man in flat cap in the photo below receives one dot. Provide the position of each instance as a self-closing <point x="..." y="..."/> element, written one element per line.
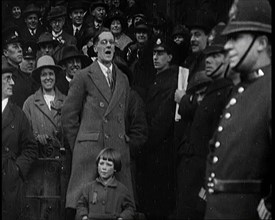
<point x="157" y="171"/>
<point x="12" y="51"/>
<point x="32" y="28"/>
<point x="239" y="166"/>
<point x="19" y="150"/>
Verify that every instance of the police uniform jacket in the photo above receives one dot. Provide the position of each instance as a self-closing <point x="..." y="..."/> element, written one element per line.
<point x="158" y="154"/>
<point x="241" y="152"/>
<point x="93" y="118"/>
<point x="19" y="151"/>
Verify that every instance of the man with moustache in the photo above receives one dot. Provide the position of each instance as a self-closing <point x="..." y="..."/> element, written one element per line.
<point x="72" y="61"/>
<point x="99" y="94"/>
<point x="19" y="150"/>
<point x="239" y="166"/>
<point x="12" y="51"/>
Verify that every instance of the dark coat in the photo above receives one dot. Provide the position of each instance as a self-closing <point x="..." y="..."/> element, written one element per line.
<point x="19" y="151"/>
<point x="241" y="149"/>
<point x="93" y="118"/>
<point x="194" y="153"/>
<point x="26" y="35"/>
<point x="116" y="202"/>
<point x="23" y="88"/>
<point x="65" y="39"/>
<point x="63" y="85"/>
<point x="79" y="36"/>
<point x="157" y="159"/>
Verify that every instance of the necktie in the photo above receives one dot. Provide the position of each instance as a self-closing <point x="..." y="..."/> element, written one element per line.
<point x="110" y="79"/>
<point x="32" y="32"/>
<point x="76" y="32"/>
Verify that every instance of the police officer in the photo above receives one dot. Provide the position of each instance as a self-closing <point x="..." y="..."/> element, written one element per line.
<point x="239" y="164"/>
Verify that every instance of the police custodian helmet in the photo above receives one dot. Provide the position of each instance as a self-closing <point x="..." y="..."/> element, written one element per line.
<point x="249" y="15"/>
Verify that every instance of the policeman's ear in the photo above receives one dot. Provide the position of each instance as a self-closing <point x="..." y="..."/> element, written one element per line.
<point x="170" y="57"/>
<point x="262" y="43"/>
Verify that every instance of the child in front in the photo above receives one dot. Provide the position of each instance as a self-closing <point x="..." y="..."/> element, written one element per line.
<point x="106" y="197"/>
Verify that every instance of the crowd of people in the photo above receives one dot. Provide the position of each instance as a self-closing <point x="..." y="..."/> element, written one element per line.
<point x="142" y="119"/>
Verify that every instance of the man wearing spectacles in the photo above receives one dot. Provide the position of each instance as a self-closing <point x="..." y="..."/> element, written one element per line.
<point x="93" y="117"/>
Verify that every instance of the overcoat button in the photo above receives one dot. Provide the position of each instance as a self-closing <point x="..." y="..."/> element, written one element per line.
<point x="12" y="126"/>
<point x="106" y="136"/>
<point x="212" y="175"/>
<point x="210" y="191"/>
<point x="120" y="105"/>
<point x="7" y="149"/>
<point x="120" y="136"/>
<point x="220" y="128"/>
<point x="101" y="104"/>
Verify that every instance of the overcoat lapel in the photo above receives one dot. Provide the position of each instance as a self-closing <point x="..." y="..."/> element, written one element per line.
<point x="7" y="116"/>
<point x="40" y="103"/>
<point x="100" y="81"/>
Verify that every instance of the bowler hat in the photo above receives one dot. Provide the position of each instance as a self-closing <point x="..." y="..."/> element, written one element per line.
<point x="72" y="52"/>
<point x="98" y="3"/>
<point x="31" y="9"/>
<point x="218" y="42"/>
<point x="46" y="61"/>
<point x="76" y="4"/>
<point x="6" y="67"/>
<point x="201" y="19"/>
<point x="166" y="43"/>
<point x="46" y="37"/>
<point x="56" y="12"/>
<point x="10" y="35"/>
<point x="29" y="50"/>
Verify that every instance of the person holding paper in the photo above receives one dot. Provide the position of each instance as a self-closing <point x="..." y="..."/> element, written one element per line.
<point x="191" y="199"/>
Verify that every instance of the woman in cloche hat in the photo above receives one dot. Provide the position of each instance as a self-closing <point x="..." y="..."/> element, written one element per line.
<point x="43" y="108"/>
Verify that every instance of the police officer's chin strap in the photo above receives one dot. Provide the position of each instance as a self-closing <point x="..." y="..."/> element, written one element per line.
<point x="216" y="70"/>
<point x="246" y="52"/>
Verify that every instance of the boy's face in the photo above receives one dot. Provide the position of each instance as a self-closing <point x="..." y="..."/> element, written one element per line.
<point x="105" y="168"/>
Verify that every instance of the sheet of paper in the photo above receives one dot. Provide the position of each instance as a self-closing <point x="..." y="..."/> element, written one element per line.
<point x="182" y="85"/>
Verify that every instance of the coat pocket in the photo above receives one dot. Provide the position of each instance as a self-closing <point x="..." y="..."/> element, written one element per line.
<point x="88" y="137"/>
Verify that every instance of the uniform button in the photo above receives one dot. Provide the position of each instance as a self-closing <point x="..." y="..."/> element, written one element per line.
<point x="217" y="144"/>
<point x="209" y="179"/>
<point x="101" y="104"/>
<point x="227" y="115"/>
<point x="233" y="101"/>
<point x="210" y="184"/>
<point x="106" y="136"/>
<point x="220" y="128"/>
<point x="215" y="159"/>
<point x="240" y="90"/>
<point x="105" y="120"/>
<point x="210" y="191"/>
<point x="7" y="149"/>
<point x="212" y="175"/>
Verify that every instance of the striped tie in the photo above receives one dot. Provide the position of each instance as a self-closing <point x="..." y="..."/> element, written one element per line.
<point x="110" y="79"/>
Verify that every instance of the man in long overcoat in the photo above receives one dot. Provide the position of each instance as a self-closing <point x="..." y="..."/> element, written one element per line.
<point x="93" y="117"/>
<point x="19" y="150"/>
